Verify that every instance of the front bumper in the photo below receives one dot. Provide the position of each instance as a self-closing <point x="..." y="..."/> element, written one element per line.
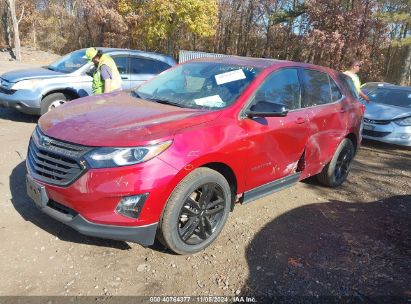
<point x="390" y="133"/>
<point x="25" y="101"/>
<point x="143" y="235"/>
<point x="89" y="204"/>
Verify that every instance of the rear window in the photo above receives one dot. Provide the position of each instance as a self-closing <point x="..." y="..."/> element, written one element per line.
<point x="393" y="97"/>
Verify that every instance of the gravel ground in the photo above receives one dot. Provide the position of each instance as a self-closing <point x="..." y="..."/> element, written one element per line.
<point x="304" y="241"/>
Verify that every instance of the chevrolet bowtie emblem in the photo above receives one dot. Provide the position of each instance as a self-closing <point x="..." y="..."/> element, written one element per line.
<point x="45" y="141"/>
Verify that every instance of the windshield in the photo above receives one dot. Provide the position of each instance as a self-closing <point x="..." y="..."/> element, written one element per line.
<point x="394" y="97"/>
<point x="205" y="85"/>
<point x="69" y="63"/>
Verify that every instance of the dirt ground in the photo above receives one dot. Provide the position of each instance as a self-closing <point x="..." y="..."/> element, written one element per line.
<point x="305" y="241"/>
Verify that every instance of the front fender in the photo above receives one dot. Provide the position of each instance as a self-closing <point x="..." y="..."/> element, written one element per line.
<point x="78" y="86"/>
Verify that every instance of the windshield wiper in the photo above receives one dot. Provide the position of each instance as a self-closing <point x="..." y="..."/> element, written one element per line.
<point x="165" y="101"/>
<point x="136" y="95"/>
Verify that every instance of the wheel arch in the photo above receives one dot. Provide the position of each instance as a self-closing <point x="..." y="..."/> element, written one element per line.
<point x="227" y="171"/>
<point x="228" y="174"/>
<point x="354" y="140"/>
<point x="72" y="94"/>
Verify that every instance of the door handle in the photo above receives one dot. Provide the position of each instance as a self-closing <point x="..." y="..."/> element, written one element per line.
<point x="300" y="120"/>
<point x="124" y="77"/>
<point x="343" y="110"/>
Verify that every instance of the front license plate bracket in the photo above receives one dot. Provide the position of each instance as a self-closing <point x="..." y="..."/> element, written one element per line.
<point x="36" y="192"/>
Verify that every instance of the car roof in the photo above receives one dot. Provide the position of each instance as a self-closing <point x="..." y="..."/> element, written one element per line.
<point x="396" y="87"/>
<point x="152" y="55"/>
<point x="262" y="63"/>
<point x="376" y="83"/>
<point x="239" y="60"/>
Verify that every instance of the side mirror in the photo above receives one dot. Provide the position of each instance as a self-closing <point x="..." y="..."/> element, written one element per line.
<point x="90" y="71"/>
<point x="267" y="109"/>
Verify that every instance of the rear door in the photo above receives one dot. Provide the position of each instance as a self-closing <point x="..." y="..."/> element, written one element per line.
<point x="143" y="69"/>
<point x="327" y="110"/>
<point x="276" y="143"/>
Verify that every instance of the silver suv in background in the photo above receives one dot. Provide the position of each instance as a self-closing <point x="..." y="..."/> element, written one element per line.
<point x="37" y="91"/>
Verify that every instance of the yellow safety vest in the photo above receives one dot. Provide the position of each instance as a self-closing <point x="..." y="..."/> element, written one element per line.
<point x="98" y="83"/>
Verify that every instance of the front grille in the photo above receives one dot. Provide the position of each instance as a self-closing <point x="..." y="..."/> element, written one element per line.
<point x="374" y="133"/>
<point x="53" y="161"/>
<point x="377" y="122"/>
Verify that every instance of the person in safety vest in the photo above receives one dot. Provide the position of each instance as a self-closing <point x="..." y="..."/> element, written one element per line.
<point x="106" y="77"/>
<point x="355" y="66"/>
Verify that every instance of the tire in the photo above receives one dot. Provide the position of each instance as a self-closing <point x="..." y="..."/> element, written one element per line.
<point x="202" y="197"/>
<point x="51" y="101"/>
<point x="337" y="170"/>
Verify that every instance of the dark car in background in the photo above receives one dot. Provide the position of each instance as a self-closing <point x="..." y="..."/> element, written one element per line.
<point x="37" y="91"/>
<point x="388" y="115"/>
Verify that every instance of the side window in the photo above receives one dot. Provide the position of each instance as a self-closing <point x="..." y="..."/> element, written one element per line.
<point x="335" y="91"/>
<point x="160" y="66"/>
<point x="281" y="87"/>
<point x="122" y="64"/>
<point x="146" y="66"/>
<point x="316" y="88"/>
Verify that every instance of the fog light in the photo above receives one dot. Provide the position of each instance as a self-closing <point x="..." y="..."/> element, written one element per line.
<point x="131" y="206"/>
<point x="404" y="136"/>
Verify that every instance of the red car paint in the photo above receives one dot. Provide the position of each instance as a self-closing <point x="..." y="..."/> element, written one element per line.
<point x="255" y="153"/>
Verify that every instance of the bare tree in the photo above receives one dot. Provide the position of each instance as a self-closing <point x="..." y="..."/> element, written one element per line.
<point x="12" y="9"/>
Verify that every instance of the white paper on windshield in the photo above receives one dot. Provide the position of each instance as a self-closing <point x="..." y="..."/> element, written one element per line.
<point x="210" y="101"/>
<point x="229" y="76"/>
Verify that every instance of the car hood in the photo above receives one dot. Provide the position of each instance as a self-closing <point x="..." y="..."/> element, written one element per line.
<point x="379" y="111"/>
<point x="35" y="73"/>
<point x="118" y="120"/>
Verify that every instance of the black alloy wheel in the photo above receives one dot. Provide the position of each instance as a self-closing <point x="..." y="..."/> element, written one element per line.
<point x="201" y="213"/>
<point x="196" y="211"/>
<point x="343" y="164"/>
<point x="337" y="170"/>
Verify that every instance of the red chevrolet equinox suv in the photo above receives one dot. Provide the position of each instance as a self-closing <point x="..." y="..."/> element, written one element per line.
<point x="171" y="158"/>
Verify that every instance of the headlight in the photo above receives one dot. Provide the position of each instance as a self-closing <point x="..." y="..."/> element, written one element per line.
<point x="26" y="84"/>
<point x="403" y="121"/>
<point x="117" y="157"/>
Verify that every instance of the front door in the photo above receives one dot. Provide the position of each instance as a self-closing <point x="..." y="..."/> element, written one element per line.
<point x="276" y="144"/>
